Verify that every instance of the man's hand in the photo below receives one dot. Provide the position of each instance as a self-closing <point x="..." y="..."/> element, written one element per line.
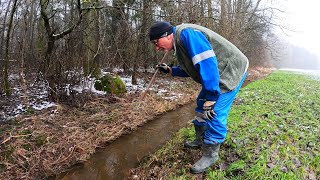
<point x="163" y="67"/>
<point x="208" y="111"/>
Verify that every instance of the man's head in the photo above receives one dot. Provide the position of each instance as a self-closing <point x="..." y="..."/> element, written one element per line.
<point x="161" y="34"/>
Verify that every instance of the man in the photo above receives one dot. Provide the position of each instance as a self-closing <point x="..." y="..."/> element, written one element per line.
<point x="215" y="63"/>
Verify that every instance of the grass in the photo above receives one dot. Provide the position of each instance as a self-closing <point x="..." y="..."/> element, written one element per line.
<point x="273" y="134"/>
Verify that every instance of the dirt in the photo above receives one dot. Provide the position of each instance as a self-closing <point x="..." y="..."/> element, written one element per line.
<point x="47" y="142"/>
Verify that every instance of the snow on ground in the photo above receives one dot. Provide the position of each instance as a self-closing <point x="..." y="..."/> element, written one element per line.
<point x="37" y="93"/>
<point x="140" y="86"/>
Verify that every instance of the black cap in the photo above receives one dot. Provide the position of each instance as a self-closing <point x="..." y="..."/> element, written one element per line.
<point x="160" y="29"/>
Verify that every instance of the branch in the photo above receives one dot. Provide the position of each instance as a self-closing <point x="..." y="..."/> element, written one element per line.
<point x="10" y="137"/>
<point x="71" y="28"/>
<point x="44" y="15"/>
<point x="254" y="10"/>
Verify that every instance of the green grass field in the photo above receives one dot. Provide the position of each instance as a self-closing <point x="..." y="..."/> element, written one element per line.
<point x="273" y="134"/>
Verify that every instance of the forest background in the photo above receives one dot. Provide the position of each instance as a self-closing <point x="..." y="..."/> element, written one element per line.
<point x="60" y="43"/>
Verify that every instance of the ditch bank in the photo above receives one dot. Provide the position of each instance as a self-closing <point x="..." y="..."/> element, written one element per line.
<point x="45" y="144"/>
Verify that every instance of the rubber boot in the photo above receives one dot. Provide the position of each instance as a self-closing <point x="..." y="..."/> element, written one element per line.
<point x="197" y="143"/>
<point x="210" y="156"/>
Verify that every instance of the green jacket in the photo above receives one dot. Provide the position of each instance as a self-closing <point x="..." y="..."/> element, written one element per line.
<point x="232" y="63"/>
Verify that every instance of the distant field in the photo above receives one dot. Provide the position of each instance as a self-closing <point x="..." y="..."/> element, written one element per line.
<point x="273" y="134"/>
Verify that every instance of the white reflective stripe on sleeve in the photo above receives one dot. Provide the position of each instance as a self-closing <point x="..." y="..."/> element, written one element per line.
<point x="202" y="56"/>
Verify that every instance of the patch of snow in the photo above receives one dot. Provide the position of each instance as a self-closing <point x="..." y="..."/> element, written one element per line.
<point x="161" y="91"/>
<point x="149" y="70"/>
<point x="37" y="91"/>
<point x="13" y="77"/>
<point x="117" y="70"/>
<point x="172" y="96"/>
<point x="92" y="89"/>
<point x="130" y="87"/>
<point x="87" y="83"/>
<point x="43" y="105"/>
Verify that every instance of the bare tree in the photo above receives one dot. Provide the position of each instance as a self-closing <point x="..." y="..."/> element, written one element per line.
<point x="3" y="29"/>
<point x="55" y="71"/>
<point x="79" y="37"/>
<point x="6" y="64"/>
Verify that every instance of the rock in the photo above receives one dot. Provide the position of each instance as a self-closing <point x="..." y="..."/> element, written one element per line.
<point x="110" y="84"/>
<point x="296" y="162"/>
<point x="270" y="165"/>
<point x="284" y="169"/>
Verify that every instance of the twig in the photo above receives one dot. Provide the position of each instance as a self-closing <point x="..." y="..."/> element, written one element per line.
<point x="58" y="161"/>
<point x="153" y="77"/>
<point x="9" y="138"/>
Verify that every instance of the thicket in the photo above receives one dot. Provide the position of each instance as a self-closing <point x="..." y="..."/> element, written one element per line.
<point x="60" y="43"/>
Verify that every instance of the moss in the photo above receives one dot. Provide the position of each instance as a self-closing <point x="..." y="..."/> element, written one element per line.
<point x="2" y="168"/>
<point x="40" y="140"/>
<point x="6" y="154"/>
<point x="2" y="130"/>
<point x="27" y="147"/>
<point x="25" y="132"/>
<point x="30" y="110"/>
<point x="120" y="86"/>
<point x="110" y="84"/>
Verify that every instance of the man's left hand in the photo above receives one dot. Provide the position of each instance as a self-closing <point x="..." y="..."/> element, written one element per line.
<point x="208" y="111"/>
<point x="163" y="67"/>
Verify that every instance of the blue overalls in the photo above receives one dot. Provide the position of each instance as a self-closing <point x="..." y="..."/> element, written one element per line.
<point x="205" y="62"/>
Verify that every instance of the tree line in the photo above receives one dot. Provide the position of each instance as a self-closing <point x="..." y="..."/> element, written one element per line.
<point x="65" y="41"/>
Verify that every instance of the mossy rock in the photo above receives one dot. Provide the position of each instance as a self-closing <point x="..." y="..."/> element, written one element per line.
<point x="110" y="84"/>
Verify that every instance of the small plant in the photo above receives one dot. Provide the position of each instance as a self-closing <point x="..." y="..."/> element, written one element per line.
<point x="40" y="140"/>
<point x="2" y="130"/>
<point x="30" y="110"/>
<point x="25" y="132"/>
<point x="27" y="147"/>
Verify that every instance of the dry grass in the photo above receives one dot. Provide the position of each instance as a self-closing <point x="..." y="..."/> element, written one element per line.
<point x="38" y="146"/>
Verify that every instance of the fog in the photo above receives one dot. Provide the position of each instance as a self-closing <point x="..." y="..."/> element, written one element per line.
<point x="298" y="57"/>
<point x="299" y="33"/>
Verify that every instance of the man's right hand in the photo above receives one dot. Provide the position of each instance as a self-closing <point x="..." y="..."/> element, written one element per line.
<point x="163" y="67"/>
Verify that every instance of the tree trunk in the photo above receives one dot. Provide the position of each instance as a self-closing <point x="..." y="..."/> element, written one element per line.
<point x="53" y="77"/>
<point x="23" y="52"/>
<point x="223" y="18"/>
<point x="6" y="63"/>
<point x="210" y="14"/>
<point x="92" y="41"/>
<point x="141" y="52"/>
<point x="2" y="36"/>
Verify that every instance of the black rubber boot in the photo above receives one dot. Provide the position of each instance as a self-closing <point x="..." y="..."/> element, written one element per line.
<point x="197" y="143"/>
<point x="210" y="156"/>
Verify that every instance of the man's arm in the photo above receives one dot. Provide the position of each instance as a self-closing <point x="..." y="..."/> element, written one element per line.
<point x="177" y="71"/>
<point x="204" y="60"/>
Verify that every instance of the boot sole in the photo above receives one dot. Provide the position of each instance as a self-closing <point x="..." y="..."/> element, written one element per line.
<point x="192" y="147"/>
<point x="197" y="172"/>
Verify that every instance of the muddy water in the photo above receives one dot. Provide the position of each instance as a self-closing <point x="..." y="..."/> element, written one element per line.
<point x="116" y="159"/>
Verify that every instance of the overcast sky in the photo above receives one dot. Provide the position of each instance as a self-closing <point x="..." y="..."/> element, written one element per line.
<point x="303" y="16"/>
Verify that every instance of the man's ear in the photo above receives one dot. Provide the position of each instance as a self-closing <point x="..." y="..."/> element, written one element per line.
<point x="170" y="36"/>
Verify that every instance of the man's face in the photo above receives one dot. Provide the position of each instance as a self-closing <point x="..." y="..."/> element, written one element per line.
<point x="164" y="43"/>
